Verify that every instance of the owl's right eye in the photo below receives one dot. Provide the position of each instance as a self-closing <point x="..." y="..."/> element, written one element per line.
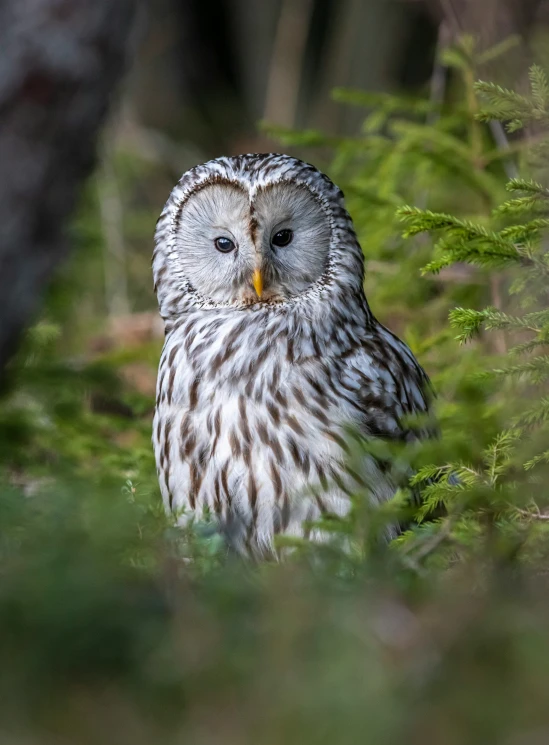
<point x="225" y="245"/>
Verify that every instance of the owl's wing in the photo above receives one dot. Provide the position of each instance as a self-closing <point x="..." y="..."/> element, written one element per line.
<point x="387" y="387"/>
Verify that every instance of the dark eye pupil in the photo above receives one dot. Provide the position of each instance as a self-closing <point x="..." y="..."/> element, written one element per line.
<point x="282" y="238"/>
<point x="225" y="245"/>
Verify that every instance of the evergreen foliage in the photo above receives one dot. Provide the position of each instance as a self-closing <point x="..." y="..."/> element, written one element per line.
<point x="510" y="244"/>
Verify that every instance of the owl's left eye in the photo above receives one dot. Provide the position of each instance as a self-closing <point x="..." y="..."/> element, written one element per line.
<point x="225" y="245"/>
<point x="282" y="238"/>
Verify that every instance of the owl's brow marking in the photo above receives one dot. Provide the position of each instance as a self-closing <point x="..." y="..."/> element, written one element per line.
<point x="253" y="224"/>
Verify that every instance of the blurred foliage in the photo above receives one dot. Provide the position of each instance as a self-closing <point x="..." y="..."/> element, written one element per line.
<point x="116" y="627"/>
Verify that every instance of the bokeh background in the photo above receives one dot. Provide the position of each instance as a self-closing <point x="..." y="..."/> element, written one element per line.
<point x="205" y="79"/>
<point x="114" y="626"/>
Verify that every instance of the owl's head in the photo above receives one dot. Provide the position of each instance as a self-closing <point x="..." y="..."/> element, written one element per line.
<point x="253" y="230"/>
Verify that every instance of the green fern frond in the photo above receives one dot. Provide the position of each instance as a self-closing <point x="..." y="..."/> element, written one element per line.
<point x="537" y="460"/>
<point x="429" y="473"/>
<point x="529" y="186"/>
<point x="535" y="415"/>
<point x="522" y="205"/>
<point x="469" y="322"/>
<point x="437" y="265"/>
<point x="497" y="456"/>
<point x="537" y="320"/>
<point x="498" y="50"/>
<point x="508" y="100"/>
<point x="524" y="234"/>
<point x="420" y="221"/>
<point x="540" y="87"/>
<point x="528" y="346"/>
<point x="537" y="370"/>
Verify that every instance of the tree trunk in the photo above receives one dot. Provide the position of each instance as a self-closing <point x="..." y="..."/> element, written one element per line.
<point x="60" y="61"/>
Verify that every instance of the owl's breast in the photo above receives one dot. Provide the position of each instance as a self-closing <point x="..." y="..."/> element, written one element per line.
<point x="263" y="452"/>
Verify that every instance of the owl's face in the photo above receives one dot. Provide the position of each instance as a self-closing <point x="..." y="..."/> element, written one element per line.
<point x="244" y="246"/>
<point x="260" y="231"/>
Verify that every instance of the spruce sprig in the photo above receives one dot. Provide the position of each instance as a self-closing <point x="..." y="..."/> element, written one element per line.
<point x="510" y="244"/>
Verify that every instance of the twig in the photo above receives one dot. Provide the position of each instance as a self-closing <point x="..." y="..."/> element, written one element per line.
<point x="537" y="515"/>
<point x="495" y="290"/>
<point x="502" y="144"/>
<point x="429" y="546"/>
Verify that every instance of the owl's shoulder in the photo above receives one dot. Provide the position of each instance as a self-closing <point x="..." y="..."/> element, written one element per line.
<point x="386" y="381"/>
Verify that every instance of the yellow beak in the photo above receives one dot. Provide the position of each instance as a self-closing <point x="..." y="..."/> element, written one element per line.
<point x="257" y="281"/>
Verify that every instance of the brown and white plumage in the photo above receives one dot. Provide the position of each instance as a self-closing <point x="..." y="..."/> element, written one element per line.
<point x="255" y="394"/>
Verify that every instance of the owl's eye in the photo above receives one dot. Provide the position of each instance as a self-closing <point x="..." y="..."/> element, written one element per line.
<point x="282" y="238"/>
<point x="225" y="245"/>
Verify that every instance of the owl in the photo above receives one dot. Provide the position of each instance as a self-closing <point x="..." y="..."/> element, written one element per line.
<point x="272" y="354"/>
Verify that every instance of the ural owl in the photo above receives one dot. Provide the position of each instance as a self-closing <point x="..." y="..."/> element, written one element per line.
<point x="271" y="352"/>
